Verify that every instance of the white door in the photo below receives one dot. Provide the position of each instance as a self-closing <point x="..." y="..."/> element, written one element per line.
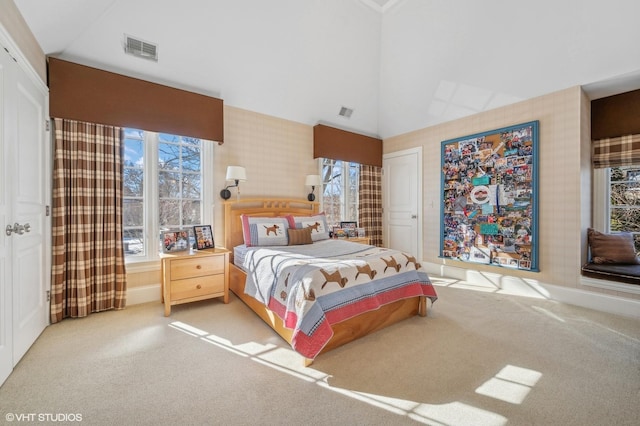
<point x="6" y="301"/>
<point x="24" y="252"/>
<point x="402" y="198"/>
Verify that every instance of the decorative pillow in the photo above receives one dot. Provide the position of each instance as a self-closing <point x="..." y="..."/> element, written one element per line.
<point x="317" y="223"/>
<point x="299" y="236"/>
<point x="611" y="248"/>
<point x="264" y="231"/>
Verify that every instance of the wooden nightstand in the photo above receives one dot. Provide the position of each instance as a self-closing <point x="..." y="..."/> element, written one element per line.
<point x="191" y="277"/>
<point x="361" y="240"/>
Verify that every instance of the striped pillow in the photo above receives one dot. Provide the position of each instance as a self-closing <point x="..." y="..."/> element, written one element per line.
<point x="317" y="223"/>
<point x="299" y="236"/>
<point x="612" y="248"/>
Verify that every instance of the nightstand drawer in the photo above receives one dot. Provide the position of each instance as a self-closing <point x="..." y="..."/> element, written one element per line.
<point x="196" y="267"/>
<point x="199" y="286"/>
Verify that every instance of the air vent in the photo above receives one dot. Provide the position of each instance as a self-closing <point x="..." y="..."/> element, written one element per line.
<point x="345" y="112"/>
<point x="140" y="48"/>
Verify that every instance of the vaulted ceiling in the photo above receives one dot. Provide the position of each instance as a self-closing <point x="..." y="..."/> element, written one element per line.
<point x="401" y="65"/>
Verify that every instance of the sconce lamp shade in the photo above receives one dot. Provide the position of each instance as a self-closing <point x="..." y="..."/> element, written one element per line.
<point x="312" y="181"/>
<point x="237" y="174"/>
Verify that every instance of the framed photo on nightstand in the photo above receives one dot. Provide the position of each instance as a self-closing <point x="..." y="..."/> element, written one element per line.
<point x="174" y="240"/>
<point x="203" y="236"/>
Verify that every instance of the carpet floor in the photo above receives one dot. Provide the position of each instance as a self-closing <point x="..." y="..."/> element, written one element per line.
<point x="479" y="358"/>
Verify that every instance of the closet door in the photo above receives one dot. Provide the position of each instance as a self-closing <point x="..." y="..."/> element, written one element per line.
<point x="30" y="254"/>
<point x="24" y="223"/>
<point x="6" y="330"/>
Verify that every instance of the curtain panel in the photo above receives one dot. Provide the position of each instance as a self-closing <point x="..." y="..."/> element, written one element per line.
<point x="616" y="152"/>
<point x="88" y="270"/>
<point x="370" y="203"/>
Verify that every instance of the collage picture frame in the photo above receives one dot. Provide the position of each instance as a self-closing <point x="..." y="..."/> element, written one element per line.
<point x="489" y="185"/>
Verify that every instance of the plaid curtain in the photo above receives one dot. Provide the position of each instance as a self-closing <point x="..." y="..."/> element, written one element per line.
<point x="616" y="152"/>
<point x="88" y="271"/>
<point x="370" y="202"/>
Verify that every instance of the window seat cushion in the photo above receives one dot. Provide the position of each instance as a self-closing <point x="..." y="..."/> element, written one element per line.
<point x="613" y="272"/>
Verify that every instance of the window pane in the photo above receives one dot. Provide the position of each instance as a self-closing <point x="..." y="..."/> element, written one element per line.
<point x="178" y="185"/>
<point x="340" y="190"/>
<point x="166" y="137"/>
<point x="624" y="201"/>
<point x="191" y="158"/>
<point x="133" y="212"/>
<point x="133" y="150"/>
<point x="133" y="242"/>
<point x="191" y="186"/>
<point x="168" y="185"/>
<point x="169" y="213"/>
<point x="191" y="213"/>
<point x="168" y="156"/>
<point x="133" y="182"/>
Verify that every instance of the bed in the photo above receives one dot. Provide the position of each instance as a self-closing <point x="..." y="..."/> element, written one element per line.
<point x="286" y="303"/>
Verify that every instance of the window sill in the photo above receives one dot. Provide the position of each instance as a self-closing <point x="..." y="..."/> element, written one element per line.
<point x="137" y="267"/>
<point x="610" y="285"/>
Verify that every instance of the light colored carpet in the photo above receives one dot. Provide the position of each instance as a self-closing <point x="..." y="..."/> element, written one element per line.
<point x="479" y="359"/>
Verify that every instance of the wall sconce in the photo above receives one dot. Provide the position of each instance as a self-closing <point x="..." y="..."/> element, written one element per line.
<point x="237" y="174"/>
<point x="312" y="181"/>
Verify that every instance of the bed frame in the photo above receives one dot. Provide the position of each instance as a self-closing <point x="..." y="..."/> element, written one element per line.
<point x="343" y="332"/>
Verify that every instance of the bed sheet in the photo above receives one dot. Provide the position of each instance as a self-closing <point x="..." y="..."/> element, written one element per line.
<point x="314" y="286"/>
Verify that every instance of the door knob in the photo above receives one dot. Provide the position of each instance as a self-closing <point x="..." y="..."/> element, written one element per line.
<point x="17" y="229"/>
<point x="414" y="216"/>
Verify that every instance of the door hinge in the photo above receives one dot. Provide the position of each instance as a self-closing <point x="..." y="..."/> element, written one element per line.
<point x="46" y="125"/>
<point x="48" y="296"/>
<point x="47" y="211"/>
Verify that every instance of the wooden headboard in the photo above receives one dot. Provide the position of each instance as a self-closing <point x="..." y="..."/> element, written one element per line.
<point x="266" y="207"/>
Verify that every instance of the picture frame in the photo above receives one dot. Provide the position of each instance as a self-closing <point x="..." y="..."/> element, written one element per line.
<point x="174" y="240"/>
<point x="340" y="232"/>
<point x="489" y="204"/>
<point x="348" y="225"/>
<point x="203" y="236"/>
<point x="360" y="232"/>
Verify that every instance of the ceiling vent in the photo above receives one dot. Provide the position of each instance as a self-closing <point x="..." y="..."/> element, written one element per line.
<point x="140" y="48"/>
<point x="345" y="112"/>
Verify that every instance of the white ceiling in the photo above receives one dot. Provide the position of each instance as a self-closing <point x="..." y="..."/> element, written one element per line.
<point x="401" y="65"/>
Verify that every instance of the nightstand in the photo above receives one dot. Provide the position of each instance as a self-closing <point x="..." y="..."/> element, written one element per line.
<point x="192" y="277"/>
<point x="361" y="240"/>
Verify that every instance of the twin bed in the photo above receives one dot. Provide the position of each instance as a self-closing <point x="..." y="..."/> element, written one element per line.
<point x="317" y="293"/>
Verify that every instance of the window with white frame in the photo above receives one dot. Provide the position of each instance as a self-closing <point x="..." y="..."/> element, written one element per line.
<point x="617" y="200"/>
<point x="164" y="178"/>
<point x="340" y="181"/>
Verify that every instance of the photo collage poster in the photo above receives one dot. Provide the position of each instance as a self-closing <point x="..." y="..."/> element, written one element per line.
<point x="489" y="205"/>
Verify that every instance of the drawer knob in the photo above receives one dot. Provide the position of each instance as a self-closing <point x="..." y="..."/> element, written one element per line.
<point x="199" y="267"/>
<point x="198" y="286"/>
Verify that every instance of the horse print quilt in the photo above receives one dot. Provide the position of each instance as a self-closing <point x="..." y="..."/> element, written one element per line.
<point x="314" y="286"/>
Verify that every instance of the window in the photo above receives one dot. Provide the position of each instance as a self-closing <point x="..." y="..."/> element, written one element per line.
<point x="340" y="190"/>
<point x="618" y="191"/>
<point x="163" y="188"/>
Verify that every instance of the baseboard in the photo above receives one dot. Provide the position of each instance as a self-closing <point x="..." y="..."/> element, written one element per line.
<point x="143" y="294"/>
<point x="500" y="283"/>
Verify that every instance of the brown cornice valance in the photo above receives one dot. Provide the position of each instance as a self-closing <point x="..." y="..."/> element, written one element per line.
<point x="615" y="116"/>
<point x="329" y="142"/>
<point x="88" y="94"/>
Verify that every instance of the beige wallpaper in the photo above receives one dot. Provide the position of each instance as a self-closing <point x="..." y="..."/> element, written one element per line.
<point x="564" y="182"/>
<point x="14" y="23"/>
<point x="278" y="155"/>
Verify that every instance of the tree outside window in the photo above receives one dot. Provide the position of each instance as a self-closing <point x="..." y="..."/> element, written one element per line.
<point x="624" y="201"/>
<point x="173" y="199"/>
<point x="340" y="190"/>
